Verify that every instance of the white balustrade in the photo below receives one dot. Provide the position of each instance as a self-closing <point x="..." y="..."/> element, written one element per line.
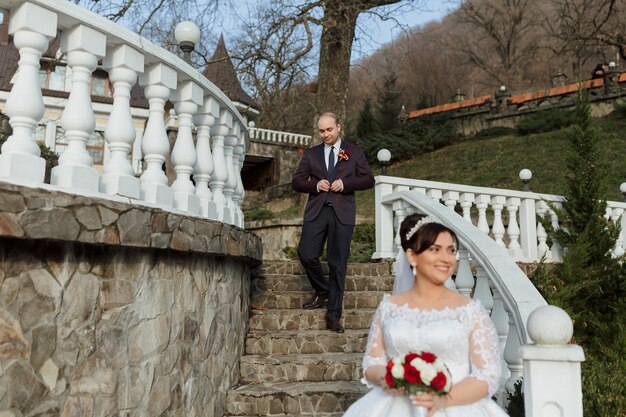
<point x="482" y="290"/>
<point x="238" y="195"/>
<point x="482" y="203"/>
<point x="158" y="80"/>
<point x="186" y="100"/>
<point x="512" y="206"/>
<point x="204" y="165"/>
<point x="275" y="137"/>
<point x="219" y="130"/>
<point x="83" y="46"/>
<point x="552" y="382"/>
<point x="32" y="28"/>
<point x="123" y="64"/>
<point x="497" y="229"/>
<point x="542" y="248"/>
<point x="230" y="141"/>
<point x="450" y="199"/>
<point x="467" y="200"/>
<point x="464" y="276"/>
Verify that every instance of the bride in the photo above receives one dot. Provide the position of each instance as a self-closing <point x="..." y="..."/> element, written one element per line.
<point x="430" y="317"/>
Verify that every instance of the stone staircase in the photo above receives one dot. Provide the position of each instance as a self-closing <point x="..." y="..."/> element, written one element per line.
<point x="292" y="365"/>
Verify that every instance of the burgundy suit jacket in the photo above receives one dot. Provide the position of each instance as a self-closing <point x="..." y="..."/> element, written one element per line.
<point x="355" y="174"/>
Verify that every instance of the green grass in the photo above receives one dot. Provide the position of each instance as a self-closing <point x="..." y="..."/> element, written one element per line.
<point x="496" y="162"/>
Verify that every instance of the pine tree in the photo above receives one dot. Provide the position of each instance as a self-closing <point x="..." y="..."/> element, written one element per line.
<point x="366" y="125"/>
<point x="388" y="104"/>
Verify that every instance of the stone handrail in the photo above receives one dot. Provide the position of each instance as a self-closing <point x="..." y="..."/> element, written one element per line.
<point x="277" y="137"/>
<point x="524" y="237"/>
<point x="215" y="161"/>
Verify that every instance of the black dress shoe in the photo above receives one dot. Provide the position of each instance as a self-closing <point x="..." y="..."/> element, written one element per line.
<point x="316" y="302"/>
<point x="334" y="326"/>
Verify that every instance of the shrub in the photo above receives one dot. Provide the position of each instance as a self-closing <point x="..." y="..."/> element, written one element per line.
<point x="619" y="108"/>
<point x="258" y="214"/>
<point x="515" y="408"/>
<point x="493" y="132"/>
<point x="545" y="121"/>
<point x="363" y="243"/>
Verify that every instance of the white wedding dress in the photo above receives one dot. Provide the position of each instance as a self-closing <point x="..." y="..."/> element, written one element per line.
<point x="463" y="337"/>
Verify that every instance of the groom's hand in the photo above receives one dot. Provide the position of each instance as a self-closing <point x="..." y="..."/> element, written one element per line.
<point x="323" y="186"/>
<point x="337" y="186"/>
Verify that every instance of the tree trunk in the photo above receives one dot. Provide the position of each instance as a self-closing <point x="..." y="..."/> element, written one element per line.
<point x="335" y="51"/>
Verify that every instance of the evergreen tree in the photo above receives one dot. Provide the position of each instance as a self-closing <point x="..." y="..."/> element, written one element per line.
<point x="366" y="125"/>
<point x="590" y="283"/>
<point x="388" y="104"/>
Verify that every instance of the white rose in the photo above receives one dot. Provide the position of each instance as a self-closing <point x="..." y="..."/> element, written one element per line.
<point x="427" y="373"/>
<point x="397" y="371"/>
<point x="418" y="363"/>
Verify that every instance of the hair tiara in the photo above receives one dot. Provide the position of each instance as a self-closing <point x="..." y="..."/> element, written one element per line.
<point x="421" y="222"/>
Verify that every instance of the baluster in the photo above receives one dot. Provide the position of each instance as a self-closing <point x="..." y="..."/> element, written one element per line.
<point x="497" y="204"/>
<point x="157" y="81"/>
<point x="501" y="322"/>
<point x="464" y="277"/>
<point x="617" y="218"/>
<point x="204" y="165"/>
<point x="542" y="236"/>
<point x="482" y="202"/>
<point x="32" y="28"/>
<point x="123" y="63"/>
<point x="186" y="101"/>
<point x="400" y="213"/>
<point x="220" y="175"/>
<point x="512" y="354"/>
<point x="450" y="198"/>
<point x="83" y="46"/>
<point x="434" y="194"/>
<point x="467" y="199"/>
<point x="607" y="213"/>
<point x="528" y="228"/>
<point x="515" y="250"/>
<point x="556" y="247"/>
<point x="230" y="141"/>
<point x="482" y="291"/>
<point x="238" y="195"/>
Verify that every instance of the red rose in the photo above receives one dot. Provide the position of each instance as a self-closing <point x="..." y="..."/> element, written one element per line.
<point x="411" y="374"/>
<point x="391" y="383"/>
<point x="439" y="381"/>
<point x="428" y="357"/>
<point x="410" y="356"/>
<point x="389" y="365"/>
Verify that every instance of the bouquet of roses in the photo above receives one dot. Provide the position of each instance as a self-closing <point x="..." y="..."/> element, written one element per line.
<point x="419" y="372"/>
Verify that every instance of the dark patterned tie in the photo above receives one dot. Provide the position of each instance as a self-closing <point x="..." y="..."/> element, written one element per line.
<point x="331" y="164"/>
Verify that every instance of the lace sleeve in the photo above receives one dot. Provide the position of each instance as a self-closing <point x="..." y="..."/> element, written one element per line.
<point x="375" y="353"/>
<point x="484" y="349"/>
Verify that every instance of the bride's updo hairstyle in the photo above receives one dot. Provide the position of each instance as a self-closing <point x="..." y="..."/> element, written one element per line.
<point x="424" y="236"/>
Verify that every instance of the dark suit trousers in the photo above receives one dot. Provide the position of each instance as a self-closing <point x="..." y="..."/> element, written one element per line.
<point x="326" y="226"/>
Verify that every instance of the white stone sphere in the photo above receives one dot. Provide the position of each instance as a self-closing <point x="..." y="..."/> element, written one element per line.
<point x="383" y="155"/>
<point x="187" y="32"/>
<point x="550" y="325"/>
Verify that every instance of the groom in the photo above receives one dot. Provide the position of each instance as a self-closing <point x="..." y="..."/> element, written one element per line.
<point x="330" y="173"/>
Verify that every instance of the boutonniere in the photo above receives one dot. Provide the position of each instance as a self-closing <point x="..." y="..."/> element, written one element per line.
<point x="343" y="154"/>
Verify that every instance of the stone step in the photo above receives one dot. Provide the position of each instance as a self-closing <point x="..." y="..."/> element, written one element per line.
<point x="295" y="368"/>
<point x="276" y="283"/>
<point x="293" y="398"/>
<point x="270" y="342"/>
<point x="295" y="299"/>
<point x="306" y="319"/>
<point x="373" y="269"/>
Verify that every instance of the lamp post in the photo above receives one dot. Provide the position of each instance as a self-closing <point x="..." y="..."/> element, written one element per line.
<point x="383" y="157"/>
<point x="525" y="175"/>
<point x="622" y="188"/>
<point x="187" y="34"/>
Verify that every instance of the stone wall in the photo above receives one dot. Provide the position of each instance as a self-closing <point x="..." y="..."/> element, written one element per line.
<point x="109" y="309"/>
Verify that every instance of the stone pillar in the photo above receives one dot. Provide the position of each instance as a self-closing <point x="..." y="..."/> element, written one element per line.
<point x="384" y="222"/>
<point x="204" y="165"/>
<point x="220" y="175"/>
<point x="84" y="47"/>
<point x="157" y="81"/>
<point x="552" y="382"/>
<point x="123" y="64"/>
<point x="32" y="28"/>
<point x="186" y="101"/>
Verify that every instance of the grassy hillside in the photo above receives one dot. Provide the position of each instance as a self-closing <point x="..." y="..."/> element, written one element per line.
<point x="496" y="162"/>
